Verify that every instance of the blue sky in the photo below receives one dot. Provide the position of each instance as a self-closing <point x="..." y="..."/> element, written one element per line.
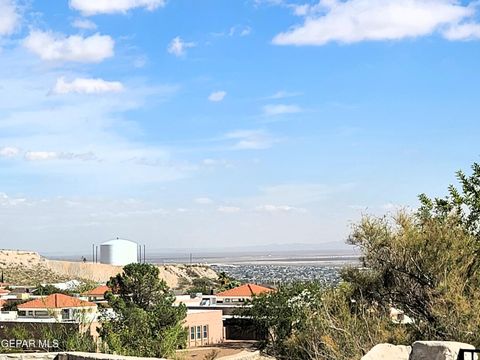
<point x="218" y="123"/>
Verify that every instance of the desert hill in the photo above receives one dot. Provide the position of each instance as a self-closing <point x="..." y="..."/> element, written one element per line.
<point x="29" y="268"/>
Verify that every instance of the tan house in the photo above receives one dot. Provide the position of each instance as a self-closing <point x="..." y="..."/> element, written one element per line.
<point x="205" y="327"/>
<point x="59" y="307"/>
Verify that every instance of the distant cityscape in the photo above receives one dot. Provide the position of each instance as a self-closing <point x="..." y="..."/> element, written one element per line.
<point x="328" y="273"/>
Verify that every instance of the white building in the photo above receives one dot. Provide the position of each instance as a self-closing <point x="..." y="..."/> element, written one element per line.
<point x="118" y="252"/>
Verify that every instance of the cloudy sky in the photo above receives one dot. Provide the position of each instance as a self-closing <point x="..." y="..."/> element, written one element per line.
<point x="208" y="123"/>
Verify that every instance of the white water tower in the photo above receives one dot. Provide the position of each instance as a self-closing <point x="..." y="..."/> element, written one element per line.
<point x="118" y="252"/>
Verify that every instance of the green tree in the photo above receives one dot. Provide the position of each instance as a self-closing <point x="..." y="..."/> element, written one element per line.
<point x="145" y="321"/>
<point x="12" y="305"/>
<point x="464" y="203"/>
<point x="202" y="285"/>
<point x="425" y="263"/>
<point x="45" y="290"/>
<point x="227" y="282"/>
<point x="309" y="321"/>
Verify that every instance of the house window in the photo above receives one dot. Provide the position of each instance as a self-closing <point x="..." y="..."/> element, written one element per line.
<point x="199" y="332"/>
<point x="30" y="313"/>
<point x="66" y="314"/>
<point x="192" y="333"/>
<point x="205" y="331"/>
<point x="41" y="313"/>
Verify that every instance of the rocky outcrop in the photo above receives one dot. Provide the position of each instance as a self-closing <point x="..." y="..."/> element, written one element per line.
<point x="388" y="351"/>
<point x="437" y="350"/>
<point x="420" y="350"/>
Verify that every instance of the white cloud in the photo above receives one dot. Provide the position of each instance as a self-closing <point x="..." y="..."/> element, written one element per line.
<point x="178" y="47"/>
<point x="204" y="201"/>
<point x="213" y="163"/>
<point x="93" y="7"/>
<point x="279" y="209"/>
<point x="469" y="31"/>
<point x="240" y="31"/>
<point x="280" y="109"/>
<point x="246" y="31"/>
<point x="217" y="96"/>
<point x="55" y="47"/>
<point x="41" y="155"/>
<point x="251" y="139"/>
<point x="9" y="201"/>
<point x="86" y="86"/>
<point x="55" y="155"/>
<point x="84" y="24"/>
<point x="228" y="209"/>
<point x="9" y="152"/>
<point x="9" y="17"/>
<point x="361" y="20"/>
<point x="283" y="95"/>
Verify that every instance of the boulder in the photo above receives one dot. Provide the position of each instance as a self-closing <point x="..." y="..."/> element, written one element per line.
<point x="437" y="350"/>
<point x="388" y="351"/>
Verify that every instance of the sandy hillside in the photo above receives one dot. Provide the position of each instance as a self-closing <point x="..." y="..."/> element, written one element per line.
<point x="29" y="268"/>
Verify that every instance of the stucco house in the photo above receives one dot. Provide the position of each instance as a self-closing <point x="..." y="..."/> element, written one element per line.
<point x="96" y="295"/>
<point x="241" y="294"/>
<point x="60" y="308"/>
<point x="205" y="327"/>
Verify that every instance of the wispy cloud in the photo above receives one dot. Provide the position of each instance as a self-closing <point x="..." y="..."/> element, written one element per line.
<point x="228" y="209"/>
<point x="251" y="139"/>
<point x="217" y="96"/>
<point x="84" y="24"/>
<point x="94" y="7"/>
<point x="240" y="31"/>
<point x="467" y="31"/>
<point x="87" y="86"/>
<point x="281" y="109"/>
<point x="56" y="47"/>
<point x="204" y="201"/>
<point x="86" y="138"/>
<point x="283" y="95"/>
<point x="279" y="209"/>
<point x="52" y="155"/>
<point x="9" y="17"/>
<point x="9" y="152"/>
<point x="178" y="46"/>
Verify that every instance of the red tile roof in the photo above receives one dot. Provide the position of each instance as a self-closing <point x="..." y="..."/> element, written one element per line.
<point x="4" y="291"/>
<point x="55" y="301"/>
<point x="98" y="291"/>
<point x="246" y="290"/>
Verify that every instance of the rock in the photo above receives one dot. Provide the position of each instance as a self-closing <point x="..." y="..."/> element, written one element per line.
<point x="437" y="350"/>
<point x="388" y="351"/>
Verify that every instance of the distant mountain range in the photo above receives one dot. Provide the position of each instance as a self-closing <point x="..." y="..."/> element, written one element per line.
<point x="328" y="248"/>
